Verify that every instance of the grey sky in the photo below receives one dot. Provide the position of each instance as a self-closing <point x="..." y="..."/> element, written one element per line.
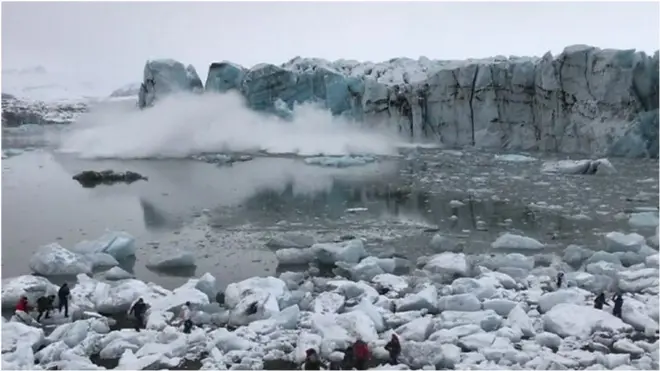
<point x="115" y="39"/>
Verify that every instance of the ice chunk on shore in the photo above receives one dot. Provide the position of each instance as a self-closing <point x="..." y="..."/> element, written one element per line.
<point x="32" y="286"/>
<point x="266" y="292"/>
<point x="172" y="260"/>
<point x="116" y="274"/>
<point x="616" y="241"/>
<point x="350" y="252"/>
<point x="581" y="321"/>
<point x="448" y="263"/>
<point x="339" y="161"/>
<point x="516" y="242"/>
<point x="120" y="245"/>
<point x="54" y="260"/>
<point x="16" y="333"/>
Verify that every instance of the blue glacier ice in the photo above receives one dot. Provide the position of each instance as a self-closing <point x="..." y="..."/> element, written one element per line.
<point x="585" y="100"/>
<point x="166" y="76"/>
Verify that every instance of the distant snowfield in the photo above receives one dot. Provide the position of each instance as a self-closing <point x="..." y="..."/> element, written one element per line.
<point x="42" y="84"/>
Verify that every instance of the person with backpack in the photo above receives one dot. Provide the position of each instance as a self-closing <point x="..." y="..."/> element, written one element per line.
<point x="44" y="306"/>
<point x="361" y="354"/>
<point x="393" y="347"/>
<point x="186" y="318"/>
<point x="139" y="309"/>
<point x="312" y="360"/>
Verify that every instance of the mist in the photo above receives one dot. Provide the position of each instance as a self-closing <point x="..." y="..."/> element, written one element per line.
<point x="182" y="125"/>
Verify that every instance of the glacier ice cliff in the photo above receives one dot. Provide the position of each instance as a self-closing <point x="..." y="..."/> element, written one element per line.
<point x="165" y="76"/>
<point x="585" y="100"/>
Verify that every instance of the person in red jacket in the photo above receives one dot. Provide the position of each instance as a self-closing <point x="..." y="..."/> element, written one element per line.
<point x="361" y="354"/>
<point x="22" y="305"/>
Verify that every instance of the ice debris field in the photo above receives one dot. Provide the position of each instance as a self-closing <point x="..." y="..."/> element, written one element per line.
<point x="451" y="310"/>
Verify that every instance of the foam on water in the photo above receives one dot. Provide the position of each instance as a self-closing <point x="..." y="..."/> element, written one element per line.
<point x="183" y="125"/>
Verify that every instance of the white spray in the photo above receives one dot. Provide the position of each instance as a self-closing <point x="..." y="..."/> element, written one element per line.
<point x="183" y="125"/>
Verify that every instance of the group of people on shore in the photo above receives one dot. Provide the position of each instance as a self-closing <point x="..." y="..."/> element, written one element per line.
<point x="46" y="304"/>
<point x="355" y="357"/>
<point x="600" y="299"/>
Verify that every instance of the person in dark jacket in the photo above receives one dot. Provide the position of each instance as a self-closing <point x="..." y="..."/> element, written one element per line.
<point x="394" y="348"/>
<point x="361" y="354"/>
<point x="560" y="279"/>
<point x="349" y="360"/>
<point x="139" y="309"/>
<point x="45" y="305"/>
<point x="63" y="296"/>
<point x="312" y="361"/>
<point x="618" y="305"/>
<point x="600" y="300"/>
<point x="252" y="309"/>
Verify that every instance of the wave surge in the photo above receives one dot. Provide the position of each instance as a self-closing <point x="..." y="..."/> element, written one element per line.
<point x="184" y="125"/>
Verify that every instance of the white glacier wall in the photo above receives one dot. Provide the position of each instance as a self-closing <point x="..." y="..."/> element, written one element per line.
<point x="585" y="100"/>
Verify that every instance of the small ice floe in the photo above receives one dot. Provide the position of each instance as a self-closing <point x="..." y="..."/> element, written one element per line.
<point x="586" y="167"/>
<point x="646" y="219"/>
<point x="11" y="152"/>
<point x="516" y="242"/>
<point x="171" y="260"/>
<point x="356" y="210"/>
<point x="515" y="158"/>
<point x="339" y="161"/>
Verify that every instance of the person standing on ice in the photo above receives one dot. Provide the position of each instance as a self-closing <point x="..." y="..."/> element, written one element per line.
<point x="22" y="305"/>
<point x="393" y="347"/>
<point x="139" y="309"/>
<point x="361" y="354"/>
<point x="600" y="301"/>
<point x="186" y="318"/>
<point x="618" y="305"/>
<point x="560" y="279"/>
<point x="63" y="295"/>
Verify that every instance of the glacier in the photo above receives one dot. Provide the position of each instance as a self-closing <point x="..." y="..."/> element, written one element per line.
<point x="585" y="100"/>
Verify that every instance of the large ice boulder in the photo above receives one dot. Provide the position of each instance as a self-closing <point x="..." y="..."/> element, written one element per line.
<point x="515" y="242"/>
<point x="264" y="292"/>
<point x="348" y="252"/>
<point x="166" y="76"/>
<point x="171" y="260"/>
<point x="54" y="260"/>
<point x="31" y="286"/>
<point x="119" y="245"/>
<point x="581" y="321"/>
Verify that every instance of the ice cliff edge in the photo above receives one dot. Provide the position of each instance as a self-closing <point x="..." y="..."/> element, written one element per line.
<point x="585" y="100"/>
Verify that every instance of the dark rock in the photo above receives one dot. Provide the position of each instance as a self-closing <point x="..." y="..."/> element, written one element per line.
<point x="90" y="179"/>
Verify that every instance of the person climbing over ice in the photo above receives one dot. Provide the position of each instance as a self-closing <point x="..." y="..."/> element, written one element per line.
<point x="560" y="279"/>
<point x="186" y="315"/>
<point x="139" y="309"/>
<point x="45" y="305"/>
<point x="600" y="300"/>
<point x="63" y="296"/>
<point x="312" y="361"/>
<point x="618" y="305"/>
<point x="361" y="354"/>
<point x="349" y="359"/>
<point x="393" y="347"/>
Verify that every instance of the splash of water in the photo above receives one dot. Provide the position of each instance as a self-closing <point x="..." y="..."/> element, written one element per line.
<point x="184" y="125"/>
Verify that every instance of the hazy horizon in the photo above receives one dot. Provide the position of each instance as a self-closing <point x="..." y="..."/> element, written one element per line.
<point x="84" y="38"/>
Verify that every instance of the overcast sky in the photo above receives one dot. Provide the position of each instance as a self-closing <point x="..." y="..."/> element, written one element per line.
<point x="115" y="39"/>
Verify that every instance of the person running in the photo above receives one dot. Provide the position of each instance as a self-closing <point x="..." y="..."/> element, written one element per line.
<point x="393" y="347"/>
<point x="44" y="306"/>
<point x="63" y="296"/>
<point x="186" y="318"/>
<point x="139" y="309"/>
